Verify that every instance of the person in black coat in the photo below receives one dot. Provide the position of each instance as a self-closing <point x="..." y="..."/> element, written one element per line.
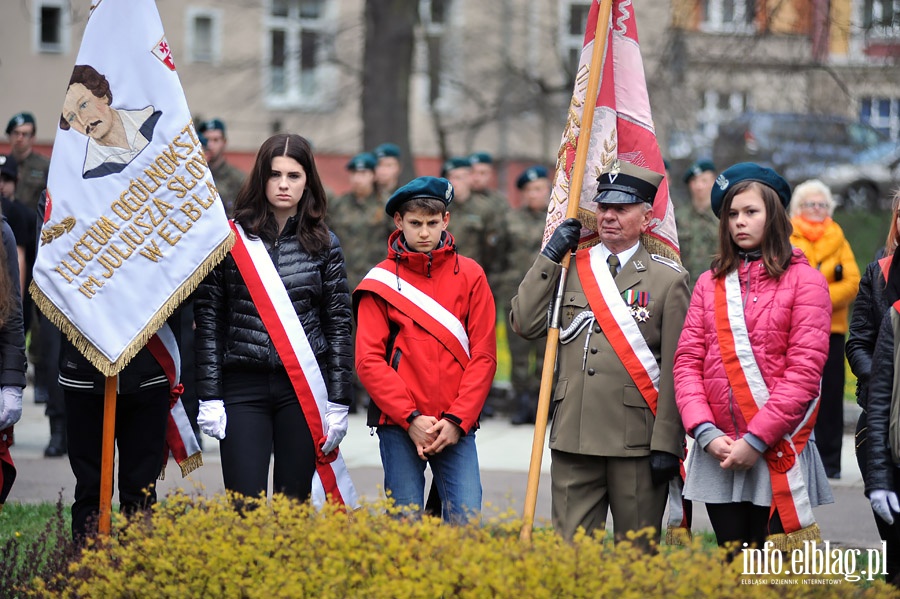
<point x="867" y="316"/>
<point x="247" y="398"/>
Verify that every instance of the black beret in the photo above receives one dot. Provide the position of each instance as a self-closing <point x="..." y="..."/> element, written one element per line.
<point x="9" y="167"/>
<point x="480" y="158"/>
<point x="532" y="173"/>
<point x="387" y="150"/>
<point x="433" y="188"/>
<point x="454" y="163"/>
<point x="364" y="161"/>
<point x="700" y="166"/>
<point x="748" y="171"/>
<point x="211" y="124"/>
<point x="626" y="183"/>
<point x="20" y="119"/>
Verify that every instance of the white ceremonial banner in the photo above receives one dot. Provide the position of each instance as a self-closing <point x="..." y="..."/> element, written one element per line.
<point x="133" y="220"/>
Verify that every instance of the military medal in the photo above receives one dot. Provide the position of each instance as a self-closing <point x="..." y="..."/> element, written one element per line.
<point x="637" y="302"/>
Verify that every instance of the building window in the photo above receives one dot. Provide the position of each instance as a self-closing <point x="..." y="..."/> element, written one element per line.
<point x="204" y="35"/>
<point x="298" y="41"/>
<point x="882" y="17"/>
<point x="718" y="107"/>
<point x="883" y="114"/>
<point x="51" y="33"/>
<point x="573" y="23"/>
<point x="728" y="16"/>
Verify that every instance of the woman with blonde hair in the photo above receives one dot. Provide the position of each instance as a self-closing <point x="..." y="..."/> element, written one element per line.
<point x="868" y="312"/>
<point x="822" y="241"/>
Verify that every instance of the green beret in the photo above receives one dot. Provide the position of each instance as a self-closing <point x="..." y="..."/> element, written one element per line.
<point x="748" y="171"/>
<point x="433" y="188"/>
<point x="364" y="161"/>
<point x="532" y="173"/>
<point x="20" y="119"/>
<point x="700" y="166"/>
<point x="387" y="150"/>
<point x="480" y="158"/>
<point x="210" y="125"/>
<point x="451" y="164"/>
<point x="626" y="183"/>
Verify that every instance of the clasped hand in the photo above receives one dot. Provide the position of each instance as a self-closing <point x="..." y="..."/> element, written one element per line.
<point x="431" y="436"/>
<point x="733" y="455"/>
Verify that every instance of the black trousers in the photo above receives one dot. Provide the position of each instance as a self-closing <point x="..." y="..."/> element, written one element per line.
<point x="888" y="532"/>
<point x="264" y="415"/>
<point x="830" y="422"/>
<point x="140" y="438"/>
<point x="742" y="523"/>
<point x="46" y="373"/>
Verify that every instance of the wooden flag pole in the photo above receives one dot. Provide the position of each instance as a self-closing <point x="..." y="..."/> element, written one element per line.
<point x="581" y="153"/>
<point x="108" y="454"/>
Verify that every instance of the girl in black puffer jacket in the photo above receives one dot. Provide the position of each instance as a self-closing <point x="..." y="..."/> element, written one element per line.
<point x="248" y="399"/>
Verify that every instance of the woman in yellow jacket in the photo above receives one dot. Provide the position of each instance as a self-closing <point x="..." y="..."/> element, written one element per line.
<point x="822" y="241"/>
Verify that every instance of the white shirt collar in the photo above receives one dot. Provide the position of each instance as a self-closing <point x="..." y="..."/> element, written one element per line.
<point x="624" y="257"/>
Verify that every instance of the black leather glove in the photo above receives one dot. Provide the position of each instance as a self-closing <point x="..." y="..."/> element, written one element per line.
<point x="663" y="467"/>
<point x="564" y="239"/>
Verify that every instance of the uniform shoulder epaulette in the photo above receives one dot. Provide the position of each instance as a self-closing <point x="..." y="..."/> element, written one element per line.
<point x="667" y="261"/>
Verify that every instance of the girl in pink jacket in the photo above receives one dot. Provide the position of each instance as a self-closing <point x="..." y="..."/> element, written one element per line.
<point x="748" y="368"/>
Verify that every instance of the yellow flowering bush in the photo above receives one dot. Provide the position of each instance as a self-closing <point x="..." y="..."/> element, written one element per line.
<point x="203" y="547"/>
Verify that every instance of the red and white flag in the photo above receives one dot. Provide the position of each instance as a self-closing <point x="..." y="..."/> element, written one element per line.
<point x="622" y="129"/>
<point x="133" y="220"/>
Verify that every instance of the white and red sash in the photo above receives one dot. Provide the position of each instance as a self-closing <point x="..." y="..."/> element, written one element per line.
<point x="616" y="322"/>
<point x="625" y="337"/>
<point x="180" y="438"/>
<point x="421" y="307"/>
<point x="270" y="297"/>
<point x="790" y="496"/>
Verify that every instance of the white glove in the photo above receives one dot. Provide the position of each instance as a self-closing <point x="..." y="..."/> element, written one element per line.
<point x="883" y="503"/>
<point x="10" y="406"/>
<point x="212" y="418"/>
<point x="336" y="424"/>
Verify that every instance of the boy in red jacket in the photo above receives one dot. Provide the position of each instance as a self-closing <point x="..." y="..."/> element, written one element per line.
<point x="426" y="352"/>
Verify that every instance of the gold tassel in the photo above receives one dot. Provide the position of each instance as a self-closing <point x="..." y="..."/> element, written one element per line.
<point x="89" y="351"/>
<point x="191" y="463"/>
<point x="678" y="535"/>
<point x="787" y="542"/>
<point x="655" y="246"/>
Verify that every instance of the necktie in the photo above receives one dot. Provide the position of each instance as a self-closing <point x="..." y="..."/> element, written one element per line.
<point x="613" y="262"/>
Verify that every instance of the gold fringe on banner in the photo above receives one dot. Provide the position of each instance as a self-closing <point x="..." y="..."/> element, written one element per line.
<point x="94" y="355"/>
<point x="188" y="465"/>
<point x="787" y="542"/>
<point x="678" y="535"/>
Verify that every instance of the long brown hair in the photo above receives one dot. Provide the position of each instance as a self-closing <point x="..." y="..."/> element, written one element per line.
<point x="893" y="236"/>
<point x="251" y="207"/>
<point x="776" y="242"/>
<point x="7" y="291"/>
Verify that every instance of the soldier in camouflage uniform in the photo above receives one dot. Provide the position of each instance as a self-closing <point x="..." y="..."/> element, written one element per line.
<point x="359" y="221"/>
<point x="33" y="167"/>
<point x="526" y="230"/>
<point x="228" y="178"/>
<point x="483" y="180"/>
<point x="698" y="227"/>
<point x="387" y="171"/>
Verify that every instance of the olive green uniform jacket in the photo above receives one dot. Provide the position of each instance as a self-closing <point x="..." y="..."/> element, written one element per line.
<point x="599" y="410"/>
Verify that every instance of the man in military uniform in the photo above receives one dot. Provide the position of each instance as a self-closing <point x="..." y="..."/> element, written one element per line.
<point x="484" y="179"/>
<point x="362" y="226"/>
<point x="698" y="227"/>
<point x="526" y="231"/>
<point x="617" y="436"/>
<point x="387" y="170"/>
<point x="227" y="177"/>
<point x="33" y="167"/>
<point x="358" y="219"/>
